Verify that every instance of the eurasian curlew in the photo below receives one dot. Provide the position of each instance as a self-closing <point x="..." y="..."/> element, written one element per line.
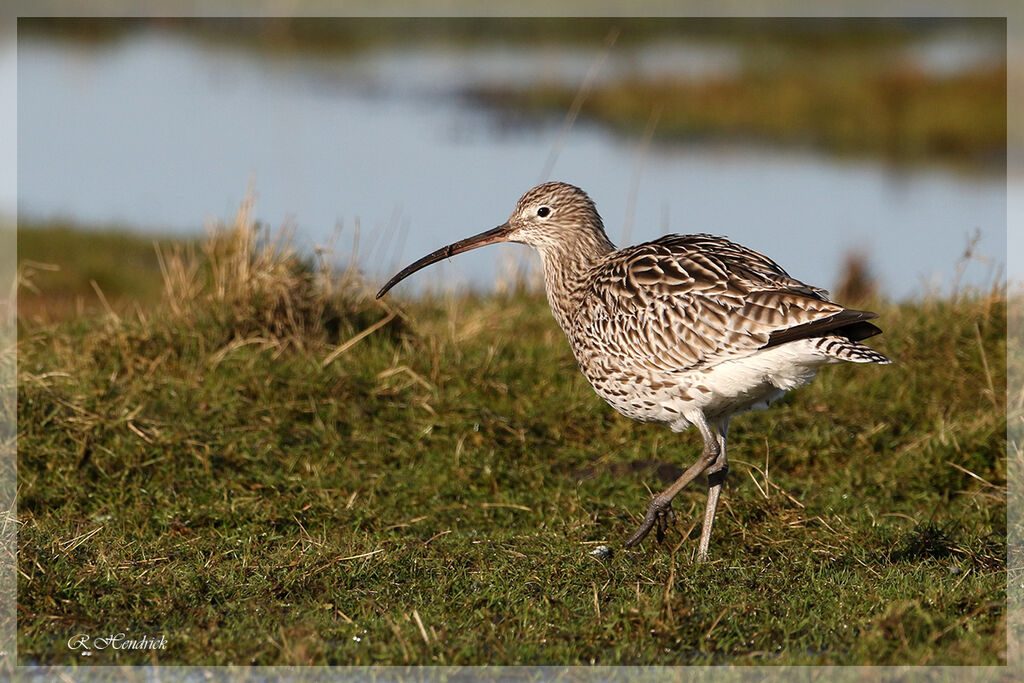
<point x="683" y="330"/>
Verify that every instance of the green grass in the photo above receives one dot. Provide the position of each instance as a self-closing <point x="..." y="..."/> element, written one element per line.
<point x="433" y="494"/>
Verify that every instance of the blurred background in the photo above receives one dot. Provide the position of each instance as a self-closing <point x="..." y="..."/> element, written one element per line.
<point x="865" y="155"/>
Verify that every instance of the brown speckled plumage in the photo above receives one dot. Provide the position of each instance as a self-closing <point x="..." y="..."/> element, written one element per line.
<point x="683" y="330"/>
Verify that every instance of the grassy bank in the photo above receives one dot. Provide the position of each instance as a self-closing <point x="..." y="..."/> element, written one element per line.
<point x="242" y="469"/>
<point x="851" y="103"/>
<point x="347" y="34"/>
<point x="58" y="265"/>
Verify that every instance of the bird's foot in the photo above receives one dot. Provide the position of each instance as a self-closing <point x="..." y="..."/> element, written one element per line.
<point x="659" y="516"/>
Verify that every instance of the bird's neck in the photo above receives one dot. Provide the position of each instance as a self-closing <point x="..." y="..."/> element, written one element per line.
<point x="568" y="265"/>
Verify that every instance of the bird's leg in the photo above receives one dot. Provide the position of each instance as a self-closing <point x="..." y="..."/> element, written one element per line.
<point x="716" y="477"/>
<point x="659" y="511"/>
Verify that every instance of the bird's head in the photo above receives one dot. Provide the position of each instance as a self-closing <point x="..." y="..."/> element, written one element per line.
<point x="552" y="214"/>
<point x="549" y="216"/>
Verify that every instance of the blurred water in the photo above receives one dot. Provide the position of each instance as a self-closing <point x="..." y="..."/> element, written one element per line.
<point x="953" y="51"/>
<point x="160" y="133"/>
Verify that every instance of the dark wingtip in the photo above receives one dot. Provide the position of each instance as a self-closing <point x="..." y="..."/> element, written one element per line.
<point x="847" y="323"/>
<point x="859" y="330"/>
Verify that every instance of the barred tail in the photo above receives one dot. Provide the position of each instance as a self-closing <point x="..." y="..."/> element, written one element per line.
<point x="854" y="352"/>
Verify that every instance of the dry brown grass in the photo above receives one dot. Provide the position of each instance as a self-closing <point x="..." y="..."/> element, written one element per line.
<point x="254" y="282"/>
<point x="251" y="280"/>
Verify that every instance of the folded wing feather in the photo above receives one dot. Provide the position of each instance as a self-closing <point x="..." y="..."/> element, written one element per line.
<point x="686" y="301"/>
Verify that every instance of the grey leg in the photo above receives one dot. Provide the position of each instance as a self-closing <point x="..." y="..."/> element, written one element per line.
<point x="716" y="477"/>
<point x="660" y="510"/>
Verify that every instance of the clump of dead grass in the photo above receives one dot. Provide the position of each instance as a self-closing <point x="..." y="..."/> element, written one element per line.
<point x="256" y="284"/>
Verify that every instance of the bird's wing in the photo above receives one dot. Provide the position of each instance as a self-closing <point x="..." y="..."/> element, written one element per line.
<point x="682" y="302"/>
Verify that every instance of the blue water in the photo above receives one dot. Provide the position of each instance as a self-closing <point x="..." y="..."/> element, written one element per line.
<point x="163" y="134"/>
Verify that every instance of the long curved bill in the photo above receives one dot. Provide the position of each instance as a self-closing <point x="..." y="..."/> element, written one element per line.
<point x="492" y="236"/>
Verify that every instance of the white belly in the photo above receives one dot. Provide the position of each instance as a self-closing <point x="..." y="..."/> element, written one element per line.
<point x="757" y="380"/>
<point x="721" y="390"/>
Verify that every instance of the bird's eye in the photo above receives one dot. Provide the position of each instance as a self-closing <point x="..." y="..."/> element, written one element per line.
<point x="543" y="212"/>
